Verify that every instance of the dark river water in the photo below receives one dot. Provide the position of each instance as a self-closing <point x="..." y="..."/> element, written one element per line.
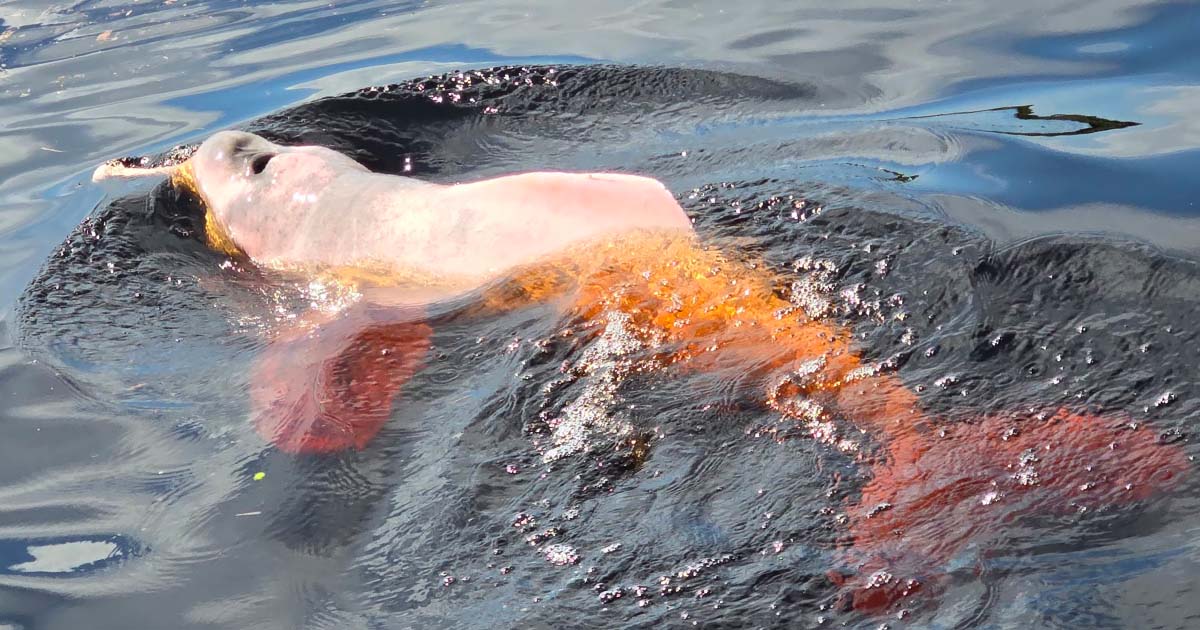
<point x="997" y="201"/>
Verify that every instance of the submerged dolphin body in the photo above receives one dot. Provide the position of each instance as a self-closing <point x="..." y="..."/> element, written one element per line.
<point x="620" y="247"/>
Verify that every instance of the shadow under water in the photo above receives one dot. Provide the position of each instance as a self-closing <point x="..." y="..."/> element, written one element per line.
<point x="689" y="501"/>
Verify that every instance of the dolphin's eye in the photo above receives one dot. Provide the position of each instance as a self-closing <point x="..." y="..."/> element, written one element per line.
<point x="259" y="163"/>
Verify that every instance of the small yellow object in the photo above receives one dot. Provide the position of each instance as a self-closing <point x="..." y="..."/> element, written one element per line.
<point x="259" y="476"/>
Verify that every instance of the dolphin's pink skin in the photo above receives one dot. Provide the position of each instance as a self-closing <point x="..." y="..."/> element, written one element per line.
<point x="311" y="206"/>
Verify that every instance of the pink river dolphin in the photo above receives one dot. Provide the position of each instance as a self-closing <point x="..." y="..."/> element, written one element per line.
<point x="935" y="488"/>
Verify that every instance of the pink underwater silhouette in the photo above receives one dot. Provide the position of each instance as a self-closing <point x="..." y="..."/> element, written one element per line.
<point x="333" y="388"/>
<point x="939" y="490"/>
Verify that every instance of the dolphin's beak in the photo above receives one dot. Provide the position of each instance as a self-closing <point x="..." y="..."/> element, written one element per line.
<point x="183" y="177"/>
<point x="117" y="169"/>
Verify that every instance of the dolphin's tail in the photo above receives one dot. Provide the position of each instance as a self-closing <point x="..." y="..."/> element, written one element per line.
<point x="938" y="493"/>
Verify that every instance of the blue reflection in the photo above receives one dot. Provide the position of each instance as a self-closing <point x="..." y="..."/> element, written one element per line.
<point x="1164" y="42"/>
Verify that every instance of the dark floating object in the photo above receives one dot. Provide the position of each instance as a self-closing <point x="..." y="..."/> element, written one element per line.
<point x="1094" y="124"/>
<point x="1091" y="124"/>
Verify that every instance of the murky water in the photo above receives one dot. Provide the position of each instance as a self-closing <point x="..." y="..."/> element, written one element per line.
<point x="998" y="204"/>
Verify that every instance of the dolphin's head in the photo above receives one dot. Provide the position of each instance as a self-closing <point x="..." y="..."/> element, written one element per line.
<point x="258" y="192"/>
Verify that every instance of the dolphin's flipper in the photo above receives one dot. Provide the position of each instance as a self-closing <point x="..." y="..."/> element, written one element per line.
<point x="331" y="388"/>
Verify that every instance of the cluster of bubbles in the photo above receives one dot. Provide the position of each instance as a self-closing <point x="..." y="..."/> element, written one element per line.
<point x="605" y="365"/>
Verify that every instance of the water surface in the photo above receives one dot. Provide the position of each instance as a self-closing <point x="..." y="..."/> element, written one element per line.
<point x="1027" y="174"/>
